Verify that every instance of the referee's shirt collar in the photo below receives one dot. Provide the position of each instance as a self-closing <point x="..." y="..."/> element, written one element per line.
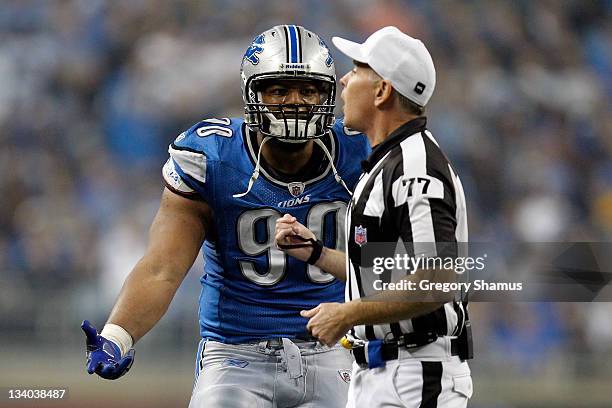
<point x="409" y="128"/>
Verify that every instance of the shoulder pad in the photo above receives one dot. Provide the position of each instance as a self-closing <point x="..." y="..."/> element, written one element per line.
<point x="206" y="136"/>
<point x="195" y="151"/>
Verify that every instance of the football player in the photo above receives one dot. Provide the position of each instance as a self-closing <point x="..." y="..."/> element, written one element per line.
<point x="227" y="182"/>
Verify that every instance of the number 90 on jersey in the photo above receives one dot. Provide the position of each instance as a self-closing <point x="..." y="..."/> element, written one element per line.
<point x="277" y="260"/>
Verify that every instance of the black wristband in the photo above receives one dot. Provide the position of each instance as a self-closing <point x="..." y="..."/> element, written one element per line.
<point x="317" y="250"/>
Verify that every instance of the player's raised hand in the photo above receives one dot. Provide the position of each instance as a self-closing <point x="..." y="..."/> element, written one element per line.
<point x="293" y="238"/>
<point x="104" y="356"/>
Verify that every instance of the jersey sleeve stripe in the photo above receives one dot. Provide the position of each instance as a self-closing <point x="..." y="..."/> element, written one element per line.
<point x="191" y="163"/>
<point x="190" y="195"/>
<point x="174" y="181"/>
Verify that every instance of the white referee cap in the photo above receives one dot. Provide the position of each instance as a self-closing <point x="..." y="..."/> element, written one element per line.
<point x="398" y="58"/>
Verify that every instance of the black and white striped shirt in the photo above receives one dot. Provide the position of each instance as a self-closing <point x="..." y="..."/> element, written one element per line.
<point x="407" y="194"/>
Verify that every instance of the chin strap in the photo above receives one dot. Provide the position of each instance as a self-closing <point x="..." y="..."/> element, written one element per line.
<point x="331" y="161"/>
<point x="255" y="174"/>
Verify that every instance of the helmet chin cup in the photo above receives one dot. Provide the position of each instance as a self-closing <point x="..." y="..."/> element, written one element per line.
<point x="290" y="130"/>
<point x="289" y="122"/>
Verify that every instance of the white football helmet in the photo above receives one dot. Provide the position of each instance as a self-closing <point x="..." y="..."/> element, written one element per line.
<point x="288" y="52"/>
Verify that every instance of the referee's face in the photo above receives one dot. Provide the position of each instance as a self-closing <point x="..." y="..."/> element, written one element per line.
<point x="358" y="97"/>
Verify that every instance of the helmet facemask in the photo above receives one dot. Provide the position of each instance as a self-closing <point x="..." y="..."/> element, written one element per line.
<point x="290" y="122"/>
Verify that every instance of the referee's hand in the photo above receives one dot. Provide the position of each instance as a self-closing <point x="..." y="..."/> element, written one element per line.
<point x="328" y="322"/>
<point x="287" y="228"/>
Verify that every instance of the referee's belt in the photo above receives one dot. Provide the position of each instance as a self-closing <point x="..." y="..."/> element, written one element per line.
<point x="376" y="352"/>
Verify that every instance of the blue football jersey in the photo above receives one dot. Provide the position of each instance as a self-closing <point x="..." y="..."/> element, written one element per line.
<point x="250" y="289"/>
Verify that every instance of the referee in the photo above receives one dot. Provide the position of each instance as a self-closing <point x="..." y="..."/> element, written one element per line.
<point x="409" y="351"/>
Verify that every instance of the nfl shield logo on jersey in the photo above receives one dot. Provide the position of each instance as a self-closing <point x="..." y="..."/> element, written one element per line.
<point x="361" y="235"/>
<point x="296" y="188"/>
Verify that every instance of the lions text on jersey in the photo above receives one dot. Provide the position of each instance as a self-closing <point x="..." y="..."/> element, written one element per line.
<point x="250" y="289"/>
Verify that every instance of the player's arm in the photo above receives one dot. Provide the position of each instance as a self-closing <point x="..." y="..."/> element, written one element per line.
<point x="330" y="260"/>
<point x="175" y="238"/>
<point x="334" y="262"/>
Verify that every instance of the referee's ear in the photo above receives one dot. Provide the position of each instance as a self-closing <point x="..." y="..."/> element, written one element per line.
<point x="383" y="96"/>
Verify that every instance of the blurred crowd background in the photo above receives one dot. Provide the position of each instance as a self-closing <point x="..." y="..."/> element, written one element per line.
<point x="92" y="92"/>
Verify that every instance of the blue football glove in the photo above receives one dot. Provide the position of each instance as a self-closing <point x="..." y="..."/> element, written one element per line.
<point x="104" y="356"/>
